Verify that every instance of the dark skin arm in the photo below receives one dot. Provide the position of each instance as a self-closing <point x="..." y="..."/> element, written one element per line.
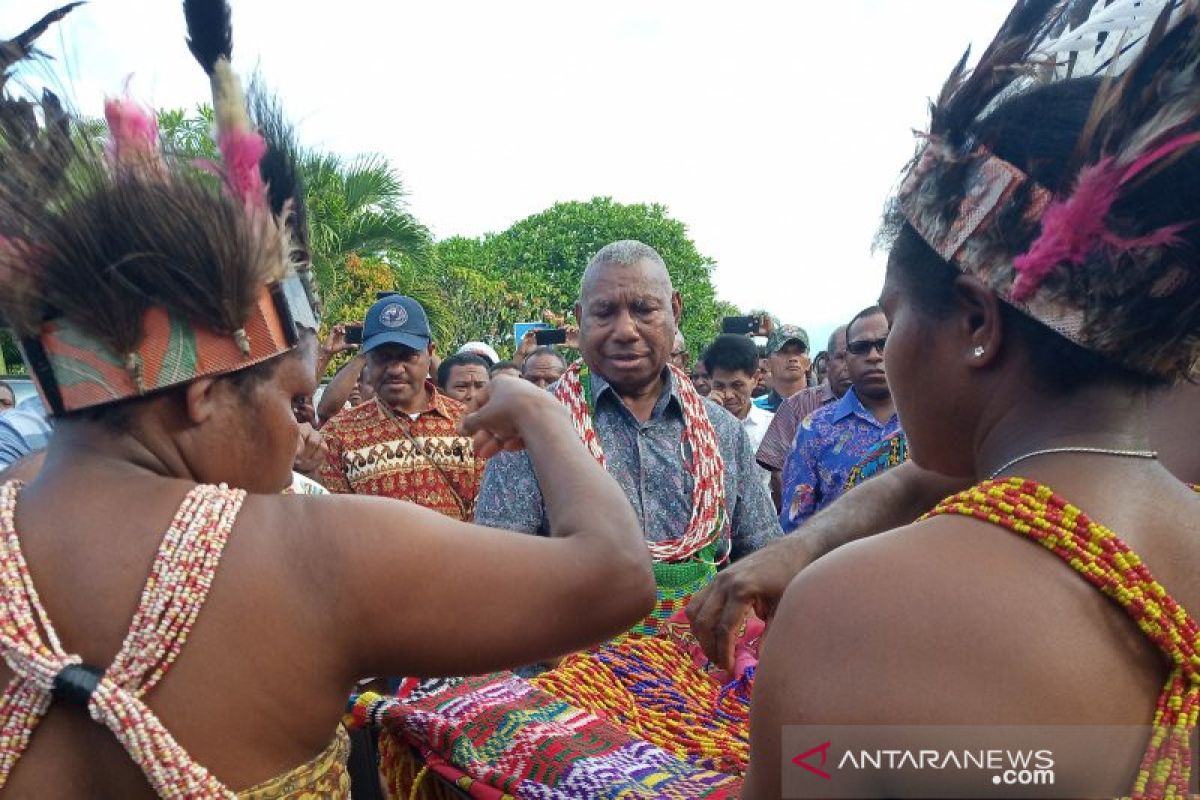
<point x="588" y="582"/>
<point x="338" y="390"/>
<point x="25" y="468"/>
<point x="334" y="344"/>
<point x="758" y="581"/>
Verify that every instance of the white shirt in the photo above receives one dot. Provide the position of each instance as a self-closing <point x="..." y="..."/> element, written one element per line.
<point x="756" y="424"/>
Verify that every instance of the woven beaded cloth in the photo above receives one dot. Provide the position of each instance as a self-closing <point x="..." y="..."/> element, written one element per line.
<point x="634" y="718"/>
<point x="674" y="585"/>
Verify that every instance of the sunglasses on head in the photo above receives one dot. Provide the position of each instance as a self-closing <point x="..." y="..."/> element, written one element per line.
<point x="864" y="346"/>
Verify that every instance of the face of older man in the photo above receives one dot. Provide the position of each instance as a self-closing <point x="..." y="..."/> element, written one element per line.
<point x="627" y="315"/>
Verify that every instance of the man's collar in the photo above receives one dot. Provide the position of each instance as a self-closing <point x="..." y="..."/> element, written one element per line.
<point x="850" y="404"/>
<point x="668" y="392"/>
<point x="758" y="416"/>
<point x="438" y="404"/>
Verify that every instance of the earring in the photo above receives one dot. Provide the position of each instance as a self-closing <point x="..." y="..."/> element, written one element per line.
<point x="979" y="351"/>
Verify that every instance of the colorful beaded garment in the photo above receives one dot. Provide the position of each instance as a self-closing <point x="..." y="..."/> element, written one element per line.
<point x="1033" y="510"/>
<point x="176" y="590"/>
<point x="635" y="718"/>
<point x="891" y="452"/>
<point x="685" y="565"/>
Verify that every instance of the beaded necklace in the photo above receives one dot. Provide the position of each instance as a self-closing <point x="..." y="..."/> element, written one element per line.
<point x="43" y="670"/>
<point x="706" y="466"/>
<point x="1095" y="552"/>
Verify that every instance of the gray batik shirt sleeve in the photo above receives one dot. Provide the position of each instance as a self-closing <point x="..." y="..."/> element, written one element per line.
<point x="754" y="521"/>
<point x="509" y="496"/>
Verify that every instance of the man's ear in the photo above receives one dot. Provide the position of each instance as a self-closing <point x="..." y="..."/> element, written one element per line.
<point x="677" y="307"/>
<point x="202" y="399"/>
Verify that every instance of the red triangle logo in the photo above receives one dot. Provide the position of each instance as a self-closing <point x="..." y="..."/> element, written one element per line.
<point x="802" y="760"/>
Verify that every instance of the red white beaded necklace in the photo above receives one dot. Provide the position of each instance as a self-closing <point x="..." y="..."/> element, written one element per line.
<point x="43" y="669"/>
<point x="706" y="466"/>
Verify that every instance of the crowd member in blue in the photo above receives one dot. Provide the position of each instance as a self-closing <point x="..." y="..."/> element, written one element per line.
<point x="836" y="437"/>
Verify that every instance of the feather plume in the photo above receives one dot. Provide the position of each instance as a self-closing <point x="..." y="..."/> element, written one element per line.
<point x="285" y="188"/>
<point x="1109" y="38"/>
<point x="133" y="135"/>
<point x="966" y="94"/>
<point x="1107" y="250"/>
<point x="210" y="31"/>
<point x="21" y="47"/>
<point x="210" y="38"/>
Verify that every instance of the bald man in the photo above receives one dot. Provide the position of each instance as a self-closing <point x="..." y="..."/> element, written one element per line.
<point x="628" y="313"/>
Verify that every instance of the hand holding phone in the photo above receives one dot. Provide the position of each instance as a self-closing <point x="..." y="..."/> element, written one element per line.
<point x="742" y="326"/>
<point x="549" y="336"/>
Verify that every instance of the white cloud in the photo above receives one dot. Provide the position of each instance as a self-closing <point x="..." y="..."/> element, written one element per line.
<point x="774" y="130"/>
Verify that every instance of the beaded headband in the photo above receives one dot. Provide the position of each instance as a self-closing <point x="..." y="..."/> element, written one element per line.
<point x="74" y="371"/>
<point x="1081" y="270"/>
<point x="991" y="184"/>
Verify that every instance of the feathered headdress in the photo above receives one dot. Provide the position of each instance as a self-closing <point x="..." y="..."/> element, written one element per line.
<point x="1087" y="272"/>
<point x="124" y="272"/>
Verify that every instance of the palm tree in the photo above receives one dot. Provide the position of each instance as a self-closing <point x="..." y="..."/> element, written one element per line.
<point x="357" y="209"/>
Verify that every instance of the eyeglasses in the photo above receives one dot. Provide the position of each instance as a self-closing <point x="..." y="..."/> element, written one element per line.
<point x="863" y="347"/>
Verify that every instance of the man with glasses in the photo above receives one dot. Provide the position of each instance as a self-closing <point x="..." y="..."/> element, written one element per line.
<point x="405" y="444"/>
<point x="834" y="438"/>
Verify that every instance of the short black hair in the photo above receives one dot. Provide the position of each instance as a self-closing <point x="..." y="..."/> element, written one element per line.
<point x="869" y="311"/>
<point x="499" y="365"/>
<point x="732" y="353"/>
<point x="459" y="360"/>
<point x="543" y="351"/>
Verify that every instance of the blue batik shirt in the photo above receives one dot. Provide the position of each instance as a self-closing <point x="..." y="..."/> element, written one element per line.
<point x="647" y="460"/>
<point x="829" y="444"/>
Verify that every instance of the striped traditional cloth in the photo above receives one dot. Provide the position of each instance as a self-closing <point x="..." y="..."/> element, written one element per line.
<point x="594" y="727"/>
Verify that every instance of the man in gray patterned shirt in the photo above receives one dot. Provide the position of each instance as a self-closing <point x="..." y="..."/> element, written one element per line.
<point x="627" y="314"/>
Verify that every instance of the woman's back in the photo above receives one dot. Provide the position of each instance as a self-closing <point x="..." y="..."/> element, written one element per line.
<point x="958" y="621"/>
<point x="246" y="701"/>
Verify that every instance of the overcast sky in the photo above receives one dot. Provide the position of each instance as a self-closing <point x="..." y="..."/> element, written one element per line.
<point x="773" y="130"/>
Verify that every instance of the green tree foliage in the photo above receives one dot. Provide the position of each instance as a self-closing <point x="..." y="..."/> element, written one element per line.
<point x="363" y="240"/>
<point x="536" y="266"/>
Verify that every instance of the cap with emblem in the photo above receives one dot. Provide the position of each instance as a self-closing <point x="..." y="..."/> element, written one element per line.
<point x="396" y="319"/>
<point x="784" y="334"/>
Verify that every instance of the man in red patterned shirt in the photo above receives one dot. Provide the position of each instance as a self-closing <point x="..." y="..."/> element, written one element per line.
<point x="405" y="444"/>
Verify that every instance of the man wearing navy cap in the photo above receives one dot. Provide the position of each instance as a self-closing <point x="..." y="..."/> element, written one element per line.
<point x="406" y="443"/>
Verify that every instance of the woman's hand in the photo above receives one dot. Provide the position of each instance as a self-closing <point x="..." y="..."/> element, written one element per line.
<point x="502" y="406"/>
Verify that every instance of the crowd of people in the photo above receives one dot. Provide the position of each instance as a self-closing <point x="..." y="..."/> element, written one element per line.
<point x="904" y="507"/>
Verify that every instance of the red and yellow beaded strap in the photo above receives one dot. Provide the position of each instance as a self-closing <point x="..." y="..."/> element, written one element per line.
<point x="1096" y="553"/>
<point x="707" y="467"/>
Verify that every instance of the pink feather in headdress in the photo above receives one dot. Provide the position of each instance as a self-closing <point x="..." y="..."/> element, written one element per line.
<point x="133" y="133"/>
<point x="1072" y="229"/>
<point x="241" y="152"/>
